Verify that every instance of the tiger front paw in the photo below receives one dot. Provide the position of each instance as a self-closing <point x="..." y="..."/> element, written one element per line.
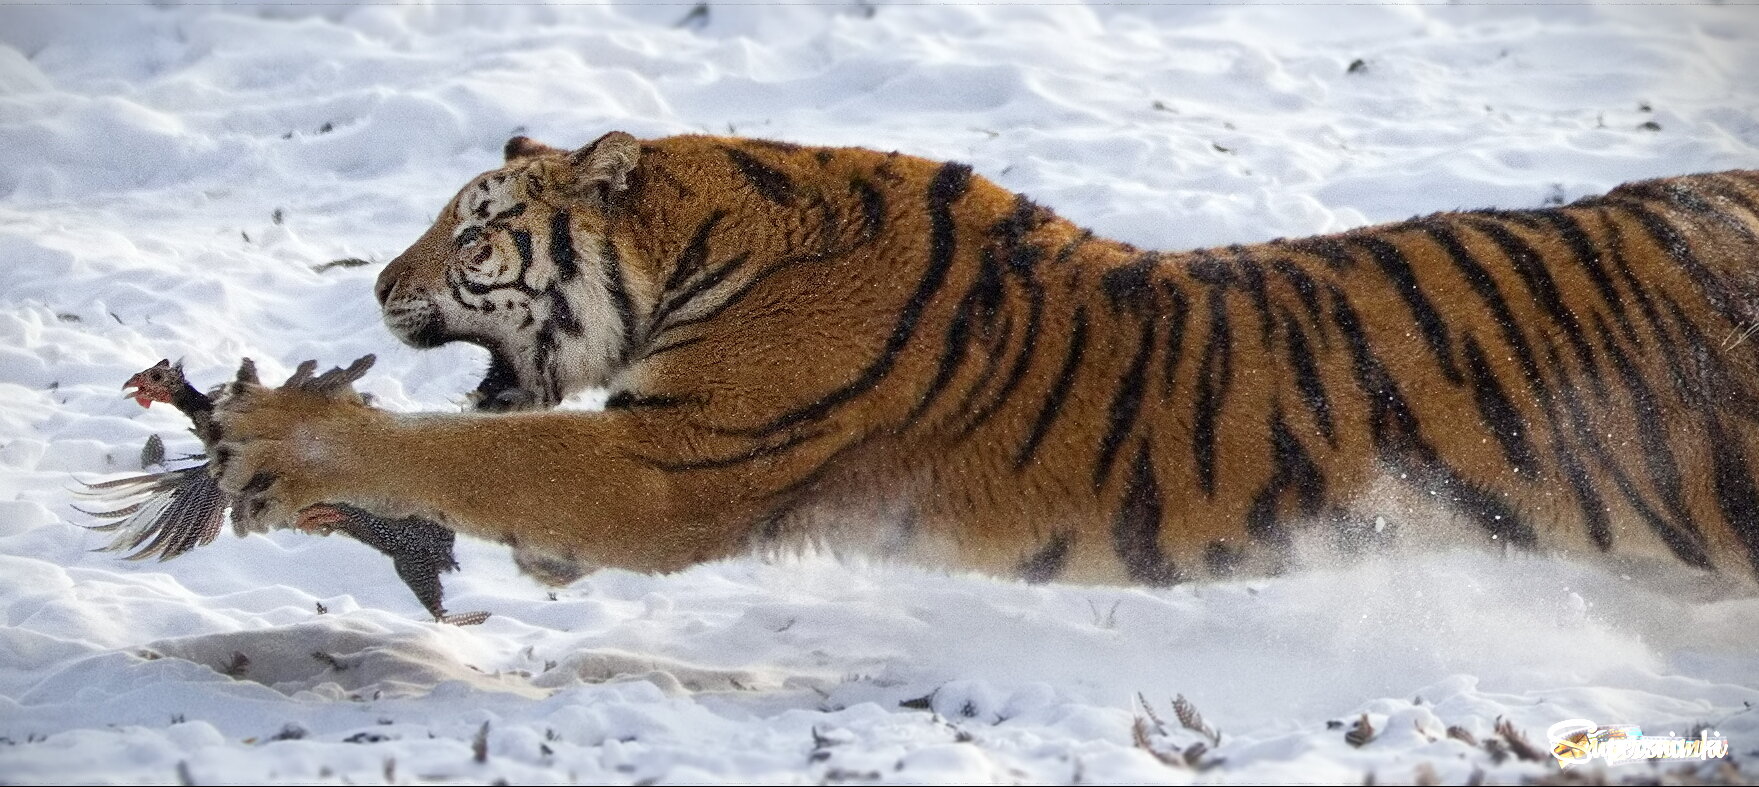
<point x="284" y="450"/>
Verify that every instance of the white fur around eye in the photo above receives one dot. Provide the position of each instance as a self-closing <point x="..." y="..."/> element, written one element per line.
<point x="487" y="197"/>
<point x="490" y="270"/>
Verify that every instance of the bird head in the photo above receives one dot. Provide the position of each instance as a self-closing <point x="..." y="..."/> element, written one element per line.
<point x="154" y="384"/>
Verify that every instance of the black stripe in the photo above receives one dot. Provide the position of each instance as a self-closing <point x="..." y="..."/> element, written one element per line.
<point x="1731" y="189"/>
<point x="784" y="147"/>
<point x="1679" y="249"/>
<point x="1022" y="359"/>
<point x="1053" y="401"/>
<point x="629" y="400"/>
<point x="986" y="292"/>
<point x="1020" y="255"/>
<point x="670" y="346"/>
<point x="994" y="343"/>
<point x="958" y="341"/>
<point x="1206" y="268"/>
<point x="948" y="186"/>
<point x="772" y="184"/>
<point x="1669" y="532"/>
<point x="562" y="312"/>
<point x="1393" y="264"/>
<point x="522" y="242"/>
<point x="1692" y="369"/>
<point x="659" y="323"/>
<point x="755" y="452"/>
<point x="1329" y="249"/>
<point x="1664" y="344"/>
<point x="1307" y="291"/>
<point x="1399" y="439"/>
<point x="1130" y="286"/>
<point x="1588" y="258"/>
<point x="1049" y="561"/>
<point x="1498" y="412"/>
<point x="1594" y="510"/>
<point x="1652" y="432"/>
<point x="1531" y="267"/>
<point x="467" y="236"/>
<point x="562" y="246"/>
<point x="1494" y="513"/>
<point x="1136" y="531"/>
<point x="1252" y="281"/>
<point x="1126" y="403"/>
<point x="695" y="252"/>
<point x="1736" y="494"/>
<point x="1682" y="537"/>
<point x="543" y="350"/>
<point x="1307" y="379"/>
<point x="1214" y="376"/>
<point x="1706" y="380"/>
<point x="789" y="492"/>
<point x="873" y="210"/>
<point x="611" y="267"/>
<point x="1679" y="194"/>
<point x="1069" y="248"/>
<point x="459" y="286"/>
<point x="1294" y="469"/>
<point x="1391" y="424"/>
<point x="727" y="301"/>
<point x="1178" y="319"/>
<point x="1487" y="289"/>
<point x="1221" y="558"/>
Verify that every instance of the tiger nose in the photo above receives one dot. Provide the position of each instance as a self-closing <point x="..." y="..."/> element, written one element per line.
<point x="383" y="288"/>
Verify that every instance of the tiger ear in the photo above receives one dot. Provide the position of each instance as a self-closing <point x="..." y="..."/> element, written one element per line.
<point x="523" y="147"/>
<point x="603" y="166"/>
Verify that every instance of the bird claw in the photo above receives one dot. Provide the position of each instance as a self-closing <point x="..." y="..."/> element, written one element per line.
<point x="320" y="520"/>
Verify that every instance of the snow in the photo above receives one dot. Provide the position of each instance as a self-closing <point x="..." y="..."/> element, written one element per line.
<point x="145" y="153"/>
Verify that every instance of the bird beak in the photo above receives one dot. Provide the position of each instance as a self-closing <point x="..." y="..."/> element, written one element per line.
<point x="135" y="383"/>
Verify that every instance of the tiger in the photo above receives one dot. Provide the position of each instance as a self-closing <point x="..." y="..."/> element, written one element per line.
<point x="899" y="357"/>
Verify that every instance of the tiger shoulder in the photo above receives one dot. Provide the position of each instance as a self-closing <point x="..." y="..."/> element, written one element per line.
<point x="896" y="355"/>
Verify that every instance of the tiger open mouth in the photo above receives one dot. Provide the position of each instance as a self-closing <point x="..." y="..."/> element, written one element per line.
<point x="500" y="390"/>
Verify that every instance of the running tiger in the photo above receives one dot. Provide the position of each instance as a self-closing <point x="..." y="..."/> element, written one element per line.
<point x="882" y="352"/>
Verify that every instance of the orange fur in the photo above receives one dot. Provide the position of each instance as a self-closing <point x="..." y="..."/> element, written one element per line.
<point x="894" y="354"/>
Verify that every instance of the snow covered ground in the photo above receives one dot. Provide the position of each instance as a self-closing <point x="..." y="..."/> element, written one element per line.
<point x="171" y="179"/>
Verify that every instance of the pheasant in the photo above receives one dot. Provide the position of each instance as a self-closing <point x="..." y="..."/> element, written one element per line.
<point x="184" y="508"/>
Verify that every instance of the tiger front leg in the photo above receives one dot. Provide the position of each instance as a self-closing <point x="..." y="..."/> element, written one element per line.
<point x="585" y="488"/>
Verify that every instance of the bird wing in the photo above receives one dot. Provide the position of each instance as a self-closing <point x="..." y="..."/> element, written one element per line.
<point x="170" y="512"/>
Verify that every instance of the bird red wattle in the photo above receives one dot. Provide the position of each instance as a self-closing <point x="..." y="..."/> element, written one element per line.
<point x="145" y="391"/>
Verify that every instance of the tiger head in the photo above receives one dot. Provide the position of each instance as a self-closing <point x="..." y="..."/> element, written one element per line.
<point x="516" y="264"/>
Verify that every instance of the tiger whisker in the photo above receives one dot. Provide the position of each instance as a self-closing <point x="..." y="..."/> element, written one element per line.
<point x="1743" y="337"/>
